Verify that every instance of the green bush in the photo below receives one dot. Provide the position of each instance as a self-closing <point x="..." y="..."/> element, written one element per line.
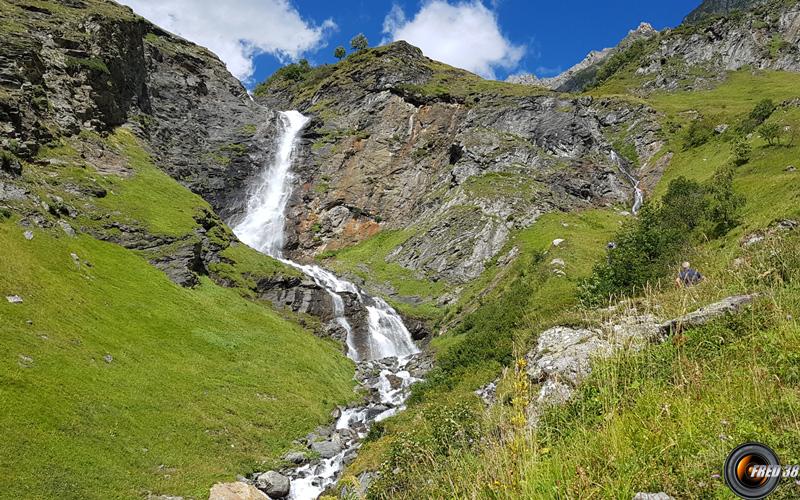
<point x="339" y="52"/>
<point x="741" y="151"/>
<point x="444" y="431"/>
<point x="359" y="42"/>
<point x="771" y="132"/>
<point x="760" y="113"/>
<point x="698" y="133"/>
<point x="92" y="64"/>
<point x="725" y="205"/>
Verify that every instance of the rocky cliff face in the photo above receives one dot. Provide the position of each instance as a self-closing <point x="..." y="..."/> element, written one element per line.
<point x="766" y="37"/>
<point x="400" y="142"/>
<point x="71" y="73"/>
<point x="93" y="65"/>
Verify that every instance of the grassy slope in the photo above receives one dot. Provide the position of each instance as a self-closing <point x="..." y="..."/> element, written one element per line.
<point x="663" y="412"/>
<point x="523" y="298"/>
<point x="203" y="385"/>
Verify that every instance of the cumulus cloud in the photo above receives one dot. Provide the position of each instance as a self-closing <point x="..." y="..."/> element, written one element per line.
<point x="237" y="30"/>
<point x="465" y="34"/>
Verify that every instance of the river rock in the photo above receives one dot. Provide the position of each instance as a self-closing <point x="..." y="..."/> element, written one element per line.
<point x="236" y="491"/>
<point x="326" y="449"/>
<point x="274" y="484"/>
<point x="374" y="411"/>
<point x="295" y="457"/>
<point x="395" y="382"/>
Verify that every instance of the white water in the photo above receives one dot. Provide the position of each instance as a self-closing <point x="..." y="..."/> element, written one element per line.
<point x="638" y="197"/>
<point x="386" y="336"/>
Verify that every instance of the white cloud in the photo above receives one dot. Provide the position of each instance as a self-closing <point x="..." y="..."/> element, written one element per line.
<point x="237" y="30"/>
<point x="465" y="34"/>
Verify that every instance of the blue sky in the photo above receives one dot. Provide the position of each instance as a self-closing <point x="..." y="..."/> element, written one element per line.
<point x="493" y="38"/>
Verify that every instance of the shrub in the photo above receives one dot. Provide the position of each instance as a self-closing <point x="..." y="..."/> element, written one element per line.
<point x="760" y="113"/>
<point x="619" y="60"/>
<point x="698" y="133"/>
<point x="359" y="42"/>
<point x="339" y="52"/>
<point x="92" y="64"/>
<point x="741" y="151"/>
<point x="291" y="73"/>
<point x="771" y="132"/>
<point x="725" y="205"/>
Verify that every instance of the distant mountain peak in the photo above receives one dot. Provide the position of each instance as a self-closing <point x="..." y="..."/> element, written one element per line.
<point x="567" y="80"/>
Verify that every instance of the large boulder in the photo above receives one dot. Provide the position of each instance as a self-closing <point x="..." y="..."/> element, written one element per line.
<point x="274" y="484"/>
<point x="236" y="491"/>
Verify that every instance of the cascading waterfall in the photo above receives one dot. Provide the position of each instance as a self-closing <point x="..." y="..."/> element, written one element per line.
<point x="388" y="346"/>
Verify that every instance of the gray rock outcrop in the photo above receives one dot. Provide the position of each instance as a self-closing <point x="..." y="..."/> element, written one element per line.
<point x="563" y="356"/>
<point x="326" y="449"/>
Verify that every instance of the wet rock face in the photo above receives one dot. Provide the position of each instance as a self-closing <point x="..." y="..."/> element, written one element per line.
<point x="300" y="295"/>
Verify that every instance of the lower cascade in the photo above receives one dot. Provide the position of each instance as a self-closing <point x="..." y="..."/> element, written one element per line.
<point x="388" y="360"/>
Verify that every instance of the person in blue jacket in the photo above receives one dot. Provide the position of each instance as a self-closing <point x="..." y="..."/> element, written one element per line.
<point x="688" y="276"/>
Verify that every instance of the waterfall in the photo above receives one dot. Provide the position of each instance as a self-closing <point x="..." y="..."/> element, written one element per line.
<point x="638" y="197"/>
<point x="382" y="344"/>
<point x="262" y="228"/>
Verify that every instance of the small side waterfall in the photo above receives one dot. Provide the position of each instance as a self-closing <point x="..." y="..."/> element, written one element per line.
<point x="386" y="348"/>
<point x="638" y="197"/>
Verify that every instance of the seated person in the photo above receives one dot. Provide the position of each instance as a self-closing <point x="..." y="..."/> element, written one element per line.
<point x="688" y="276"/>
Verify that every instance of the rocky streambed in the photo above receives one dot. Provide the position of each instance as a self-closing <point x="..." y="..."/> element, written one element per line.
<point x="322" y="455"/>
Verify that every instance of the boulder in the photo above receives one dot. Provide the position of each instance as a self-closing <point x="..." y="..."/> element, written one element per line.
<point x="295" y="457"/>
<point x="488" y="393"/>
<point x="274" y="484"/>
<point x="565" y="354"/>
<point x="395" y="382"/>
<point x="14" y="299"/>
<point x="236" y="491"/>
<point x="326" y="449"/>
<point x="66" y="228"/>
